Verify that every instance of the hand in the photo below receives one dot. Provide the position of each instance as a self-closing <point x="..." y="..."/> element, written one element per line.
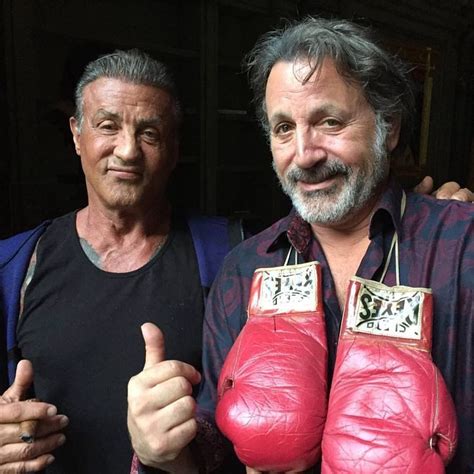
<point x="449" y="190"/>
<point x="16" y="456"/>
<point x="161" y="407"/>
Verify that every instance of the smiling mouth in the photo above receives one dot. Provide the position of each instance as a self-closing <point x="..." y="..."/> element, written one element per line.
<point x="314" y="182"/>
<point x="124" y="173"/>
<point x="320" y="184"/>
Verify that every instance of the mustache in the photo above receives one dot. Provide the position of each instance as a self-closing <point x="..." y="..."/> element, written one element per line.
<point x="318" y="173"/>
<point x="124" y="165"/>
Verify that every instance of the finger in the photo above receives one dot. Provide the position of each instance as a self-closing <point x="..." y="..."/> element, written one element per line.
<point x="40" y="428"/>
<point x="166" y="446"/>
<point x="21" y="411"/>
<point x="176" y="413"/>
<point x="463" y="194"/>
<point x="20" y="451"/>
<point x="146" y="410"/>
<point x="251" y="470"/>
<point x="425" y="186"/>
<point x="162" y="372"/>
<point x="181" y="435"/>
<point x="34" y="465"/>
<point x="154" y="345"/>
<point x="10" y="432"/>
<point x="51" y="425"/>
<point x="170" y="391"/>
<point x="159" y="396"/>
<point x="446" y="190"/>
<point x="175" y="368"/>
<point x="22" y="383"/>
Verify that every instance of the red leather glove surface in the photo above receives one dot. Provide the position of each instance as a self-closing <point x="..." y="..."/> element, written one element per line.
<point x="389" y="408"/>
<point x="273" y="385"/>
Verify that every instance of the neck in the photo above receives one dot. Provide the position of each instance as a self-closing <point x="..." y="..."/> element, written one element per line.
<point x="353" y="229"/>
<point x="111" y="224"/>
<point x="122" y="241"/>
<point x="344" y="245"/>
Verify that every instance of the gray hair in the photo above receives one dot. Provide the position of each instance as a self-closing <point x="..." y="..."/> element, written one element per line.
<point x="133" y="66"/>
<point x="383" y="78"/>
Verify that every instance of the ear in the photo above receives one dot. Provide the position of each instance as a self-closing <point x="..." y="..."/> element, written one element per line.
<point x="393" y="135"/>
<point x="76" y="134"/>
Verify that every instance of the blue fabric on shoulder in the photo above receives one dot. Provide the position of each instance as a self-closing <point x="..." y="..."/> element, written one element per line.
<point x="15" y="255"/>
<point x="211" y="242"/>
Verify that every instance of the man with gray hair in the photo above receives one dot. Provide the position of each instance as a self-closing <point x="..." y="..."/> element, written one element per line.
<point x="335" y="107"/>
<point x="91" y="278"/>
<point x="75" y="291"/>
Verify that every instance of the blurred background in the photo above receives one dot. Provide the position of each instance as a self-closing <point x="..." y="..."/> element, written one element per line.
<point x="225" y="166"/>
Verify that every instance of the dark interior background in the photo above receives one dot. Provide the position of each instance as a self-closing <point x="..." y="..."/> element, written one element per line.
<point x="225" y="166"/>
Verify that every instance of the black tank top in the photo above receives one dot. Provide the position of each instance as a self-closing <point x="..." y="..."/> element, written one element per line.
<point x="81" y="330"/>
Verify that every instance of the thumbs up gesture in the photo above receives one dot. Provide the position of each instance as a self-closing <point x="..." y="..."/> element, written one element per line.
<point x="161" y="408"/>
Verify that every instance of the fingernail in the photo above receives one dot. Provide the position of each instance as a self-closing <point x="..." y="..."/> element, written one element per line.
<point x="49" y="460"/>
<point x="61" y="440"/>
<point x="51" y="411"/>
<point x="64" y="421"/>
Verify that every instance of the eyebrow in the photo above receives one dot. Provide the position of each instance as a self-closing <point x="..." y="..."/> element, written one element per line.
<point x="107" y="114"/>
<point x="154" y="121"/>
<point x="102" y="113"/>
<point x="323" y="109"/>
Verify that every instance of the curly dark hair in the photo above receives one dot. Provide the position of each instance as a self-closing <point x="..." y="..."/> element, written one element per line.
<point x="383" y="77"/>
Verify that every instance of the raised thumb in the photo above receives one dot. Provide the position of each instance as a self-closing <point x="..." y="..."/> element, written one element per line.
<point x="154" y="345"/>
<point x="23" y="381"/>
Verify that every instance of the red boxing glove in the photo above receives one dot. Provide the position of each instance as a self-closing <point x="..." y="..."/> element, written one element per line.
<point x="273" y="386"/>
<point x="389" y="408"/>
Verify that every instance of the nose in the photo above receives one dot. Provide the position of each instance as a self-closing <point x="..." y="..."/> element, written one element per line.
<point x="309" y="147"/>
<point x="127" y="147"/>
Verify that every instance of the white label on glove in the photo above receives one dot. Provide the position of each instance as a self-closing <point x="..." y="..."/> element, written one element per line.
<point x="387" y="312"/>
<point x="289" y="289"/>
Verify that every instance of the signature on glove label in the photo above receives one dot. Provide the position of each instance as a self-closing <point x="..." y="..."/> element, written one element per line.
<point x="289" y="288"/>
<point x="388" y="313"/>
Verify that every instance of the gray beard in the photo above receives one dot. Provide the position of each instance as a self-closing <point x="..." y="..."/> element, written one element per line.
<point x="334" y="204"/>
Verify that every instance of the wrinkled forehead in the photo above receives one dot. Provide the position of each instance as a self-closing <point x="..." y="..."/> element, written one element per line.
<point x="124" y="100"/>
<point x="307" y="69"/>
<point x="118" y="92"/>
<point x="297" y="82"/>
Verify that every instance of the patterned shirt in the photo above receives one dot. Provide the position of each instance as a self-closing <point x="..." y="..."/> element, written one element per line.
<point x="436" y="251"/>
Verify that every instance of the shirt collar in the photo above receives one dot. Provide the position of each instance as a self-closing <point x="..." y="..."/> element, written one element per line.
<point x="387" y="211"/>
<point x="298" y="233"/>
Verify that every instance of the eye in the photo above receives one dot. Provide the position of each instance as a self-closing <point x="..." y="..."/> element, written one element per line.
<point x="107" y="126"/>
<point x="151" y="135"/>
<point x="331" y="122"/>
<point x="282" y="129"/>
